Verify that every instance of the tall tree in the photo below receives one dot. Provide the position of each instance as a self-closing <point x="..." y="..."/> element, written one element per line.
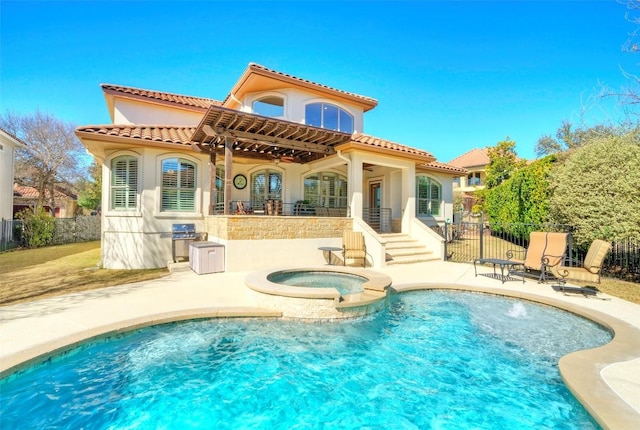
<point x="568" y="137"/>
<point x="53" y="153"/>
<point x="503" y="163"/>
<point x="90" y="193"/>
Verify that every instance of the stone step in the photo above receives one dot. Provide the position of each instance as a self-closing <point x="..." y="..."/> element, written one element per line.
<point x="414" y="250"/>
<point x="410" y="259"/>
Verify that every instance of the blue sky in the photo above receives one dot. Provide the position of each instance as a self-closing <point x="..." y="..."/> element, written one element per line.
<point x="448" y="76"/>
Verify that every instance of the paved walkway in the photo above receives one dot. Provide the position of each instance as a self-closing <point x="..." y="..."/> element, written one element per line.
<point x="30" y="330"/>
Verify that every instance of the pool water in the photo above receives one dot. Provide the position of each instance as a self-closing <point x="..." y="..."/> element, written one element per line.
<point x="432" y="360"/>
<point x="345" y="283"/>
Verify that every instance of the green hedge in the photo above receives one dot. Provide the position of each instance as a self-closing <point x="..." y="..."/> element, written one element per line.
<point x="520" y="200"/>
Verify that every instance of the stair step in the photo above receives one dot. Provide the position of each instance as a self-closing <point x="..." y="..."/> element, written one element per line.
<point x="412" y="259"/>
<point x="399" y="252"/>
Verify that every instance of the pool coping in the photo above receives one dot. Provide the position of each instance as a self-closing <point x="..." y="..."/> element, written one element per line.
<point x="586" y="373"/>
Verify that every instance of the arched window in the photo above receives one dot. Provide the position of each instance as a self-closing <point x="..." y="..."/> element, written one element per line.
<point x="124" y="183"/>
<point x="328" y="116"/>
<point x="428" y="197"/>
<point x="269" y="106"/>
<point x="178" y="193"/>
<point x="265" y="185"/>
<point x="326" y="189"/>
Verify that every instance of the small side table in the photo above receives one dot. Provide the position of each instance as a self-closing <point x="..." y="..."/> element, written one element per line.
<point x="502" y="264"/>
<point x="330" y="250"/>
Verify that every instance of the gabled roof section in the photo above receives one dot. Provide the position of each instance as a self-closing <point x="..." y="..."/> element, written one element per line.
<point x="474" y="158"/>
<point x="179" y="135"/>
<point x="176" y="100"/>
<point x="27" y="192"/>
<point x="369" y="142"/>
<point x="260" y="78"/>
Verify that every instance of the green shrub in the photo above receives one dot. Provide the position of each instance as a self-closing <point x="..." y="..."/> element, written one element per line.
<point x="521" y="200"/>
<point x="597" y="190"/>
<point x="37" y="227"/>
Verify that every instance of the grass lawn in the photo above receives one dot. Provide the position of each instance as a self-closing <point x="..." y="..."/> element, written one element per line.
<point x="53" y="270"/>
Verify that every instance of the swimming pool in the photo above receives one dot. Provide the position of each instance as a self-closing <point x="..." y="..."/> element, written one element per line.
<point x="433" y="359"/>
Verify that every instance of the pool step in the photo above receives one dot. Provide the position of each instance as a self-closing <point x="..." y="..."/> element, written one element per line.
<point x="403" y="249"/>
<point x="365" y="298"/>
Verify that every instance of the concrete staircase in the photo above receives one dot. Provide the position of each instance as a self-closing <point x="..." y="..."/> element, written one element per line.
<point x="402" y="249"/>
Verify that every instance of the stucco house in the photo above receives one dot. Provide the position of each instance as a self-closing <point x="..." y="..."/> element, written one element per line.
<point x="27" y="197"/>
<point x="475" y="162"/>
<point x="8" y="145"/>
<point x="277" y="168"/>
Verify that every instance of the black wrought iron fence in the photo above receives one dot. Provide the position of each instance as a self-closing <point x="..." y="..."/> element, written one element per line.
<point x="470" y="240"/>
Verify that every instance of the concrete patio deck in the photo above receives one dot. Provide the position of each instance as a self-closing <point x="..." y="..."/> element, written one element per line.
<point x="606" y="379"/>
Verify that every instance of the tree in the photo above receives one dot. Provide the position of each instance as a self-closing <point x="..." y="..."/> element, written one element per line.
<point x="597" y="190"/>
<point x="90" y="194"/>
<point x="53" y="153"/>
<point x="568" y="138"/>
<point x="503" y="163"/>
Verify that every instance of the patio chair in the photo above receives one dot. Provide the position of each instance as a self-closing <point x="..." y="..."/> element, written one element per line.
<point x="353" y="246"/>
<point x="240" y="208"/>
<point x="588" y="272"/>
<point x="545" y="251"/>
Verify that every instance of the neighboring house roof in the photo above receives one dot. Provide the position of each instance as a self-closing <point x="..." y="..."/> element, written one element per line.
<point x="474" y="158"/>
<point x="27" y="192"/>
<point x="180" y="135"/>
<point x="179" y="99"/>
<point x="257" y="71"/>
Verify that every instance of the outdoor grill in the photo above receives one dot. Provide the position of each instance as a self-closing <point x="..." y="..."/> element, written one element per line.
<point x="182" y="235"/>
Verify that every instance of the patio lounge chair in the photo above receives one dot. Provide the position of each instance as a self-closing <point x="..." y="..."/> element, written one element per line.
<point x="588" y="272"/>
<point x="240" y="208"/>
<point x="545" y="251"/>
<point x="353" y="246"/>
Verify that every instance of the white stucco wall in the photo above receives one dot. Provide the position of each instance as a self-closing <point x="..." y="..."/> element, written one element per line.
<point x="133" y="112"/>
<point x="7" y="153"/>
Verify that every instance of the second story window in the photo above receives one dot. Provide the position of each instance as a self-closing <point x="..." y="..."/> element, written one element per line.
<point x="328" y="116"/>
<point x="474" y="179"/>
<point x="269" y="106"/>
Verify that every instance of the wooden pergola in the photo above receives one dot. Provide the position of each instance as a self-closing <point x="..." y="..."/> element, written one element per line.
<point x="228" y="131"/>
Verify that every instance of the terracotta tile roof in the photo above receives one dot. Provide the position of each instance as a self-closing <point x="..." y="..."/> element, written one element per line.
<point x="473" y="158"/>
<point x="180" y="135"/>
<point x="27" y="192"/>
<point x="387" y="144"/>
<point x="443" y="167"/>
<point x="197" y="102"/>
<point x="254" y="66"/>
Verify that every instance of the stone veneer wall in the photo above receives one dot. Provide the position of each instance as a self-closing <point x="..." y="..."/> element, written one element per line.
<point x="261" y="227"/>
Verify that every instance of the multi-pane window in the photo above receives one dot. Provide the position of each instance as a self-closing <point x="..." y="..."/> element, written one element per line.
<point x="474" y="179"/>
<point x="219" y="203"/>
<point x="428" y="197"/>
<point x="326" y="189"/>
<point x="178" y="185"/>
<point x="328" y="116"/>
<point x="269" y="106"/>
<point x="265" y="185"/>
<point x="124" y="183"/>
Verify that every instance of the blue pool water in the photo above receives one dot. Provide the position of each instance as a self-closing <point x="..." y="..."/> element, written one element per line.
<point x="432" y="360"/>
<point x="345" y="283"/>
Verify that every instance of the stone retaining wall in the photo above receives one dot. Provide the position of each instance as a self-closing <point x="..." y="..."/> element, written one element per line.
<point x="261" y="227"/>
